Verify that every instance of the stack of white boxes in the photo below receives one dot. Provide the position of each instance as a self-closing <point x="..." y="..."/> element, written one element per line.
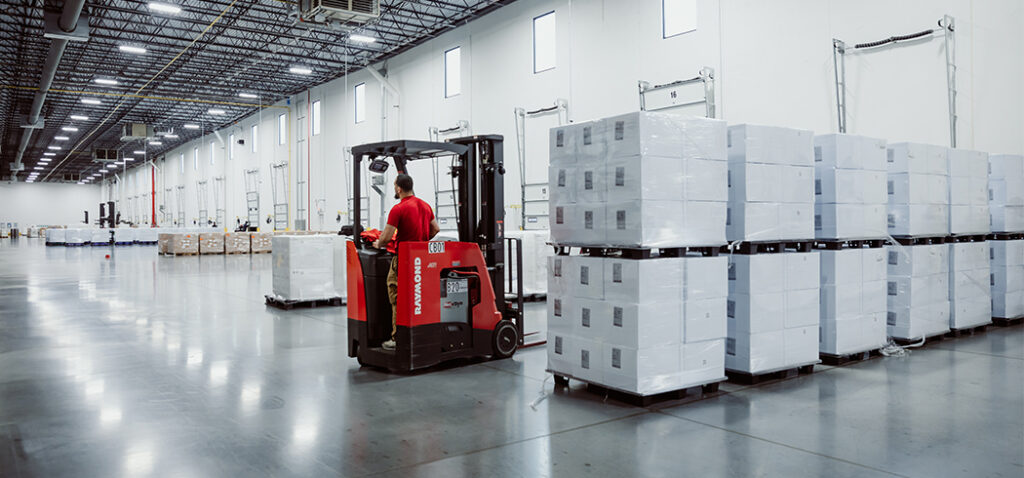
<point x="299" y="271"/>
<point x="1007" y="278"/>
<point x="853" y="301"/>
<point x="970" y="296"/>
<point x="918" y="291"/>
<point x="1006" y="192"/>
<point x="968" y="192"/>
<point x="772" y="311"/>
<point x="650" y="180"/>
<point x="643" y="326"/>
<point x="918" y="190"/>
<point x="101" y="236"/>
<point x="849" y="187"/>
<point x="771" y="184"/>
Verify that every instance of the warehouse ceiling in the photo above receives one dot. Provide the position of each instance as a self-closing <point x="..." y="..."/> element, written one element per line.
<point x="196" y="60"/>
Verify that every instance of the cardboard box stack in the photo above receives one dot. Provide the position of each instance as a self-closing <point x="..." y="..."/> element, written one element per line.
<point x="162" y="242"/>
<point x="236" y="242"/>
<point x="211" y="243"/>
<point x="643" y="326"/>
<point x="849" y="187"/>
<point x="261" y="241"/>
<point x="918" y="291"/>
<point x="642" y="179"/>
<point x="970" y="295"/>
<point x="1007" y="278"/>
<point x="968" y="191"/>
<point x="853" y="301"/>
<point x="183" y="243"/>
<point x="300" y="272"/>
<point x="918" y="190"/>
<point x="773" y="311"/>
<point x="1006" y="192"/>
<point x="771" y="184"/>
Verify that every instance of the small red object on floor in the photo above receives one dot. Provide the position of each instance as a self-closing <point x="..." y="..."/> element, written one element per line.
<point x="108" y="256"/>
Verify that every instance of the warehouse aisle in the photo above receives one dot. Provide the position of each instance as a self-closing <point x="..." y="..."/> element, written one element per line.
<point x="139" y="365"/>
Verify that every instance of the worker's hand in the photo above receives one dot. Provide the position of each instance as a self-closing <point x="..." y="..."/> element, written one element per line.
<point x="377" y="244"/>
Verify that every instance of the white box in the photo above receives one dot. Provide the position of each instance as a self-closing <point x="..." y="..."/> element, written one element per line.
<point x="704" y="319"/>
<point x="874" y="297"/>
<point x="644" y="371"/>
<point x="969" y="219"/>
<point x="917" y="158"/>
<point x="562" y="144"/>
<point x="755" y="182"/>
<point x="645" y="178"/>
<point x="563" y="223"/>
<point x="966" y="163"/>
<point x="562" y="183"/>
<point x="339" y="264"/>
<point x="664" y="223"/>
<point x="841" y="337"/>
<point x="797" y="184"/>
<point x="842" y="186"/>
<point x="705" y="278"/>
<point x="756" y="313"/>
<point x="841" y="221"/>
<point x="918" y="220"/>
<point x="875" y="187"/>
<point x="906" y="261"/>
<point x="842" y="302"/>
<point x="560" y="310"/>
<point x="585" y="279"/>
<point x="561" y="357"/>
<point x="753" y="221"/>
<point x="706" y="180"/>
<point x="874" y="266"/>
<point x="771" y="145"/>
<point x="757" y="273"/>
<point x="965" y="314"/>
<point x="588" y="360"/>
<point x="801" y="346"/>
<point x="796" y="221"/>
<point x="848" y="151"/>
<point x="843" y="266"/>
<point x="299" y="270"/>
<point x="559" y="268"/>
<point x="643" y="281"/>
<point x="591" y="141"/>
<point x="909" y="188"/>
<point x="754" y="353"/>
<point x="665" y="134"/>
<point x="1002" y="166"/>
<point x="590" y="184"/>
<point x="591" y="319"/>
<point x="645" y="324"/>
<point x="875" y="331"/>
<point x="802" y="308"/>
<point x="911" y="323"/>
<point x="706" y="355"/>
<point x="802" y="270"/>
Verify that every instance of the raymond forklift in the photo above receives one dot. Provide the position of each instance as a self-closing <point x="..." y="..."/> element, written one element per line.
<point x="451" y="295"/>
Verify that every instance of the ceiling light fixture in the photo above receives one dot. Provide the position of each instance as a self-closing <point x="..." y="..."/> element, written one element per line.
<point x="105" y="81"/>
<point x="39" y="168"/>
<point x="79" y="118"/>
<point x="362" y="38"/>
<point x="53" y="147"/>
<point x="45" y="160"/>
<point x="172" y="136"/>
<point x="111" y="165"/>
<point x="138" y="152"/>
<point x="155" y="143"/>
<point x="190" y="126"/>
<point x="61" y="138"/>
<point x="299" y="70"/>
<point x="90" y="101"/>
<point x="132" y="49"/>
<point x="248" y="95"/>
<point x="216" y="112"/>
<point x="164" y="7"/>
<point x="49" y="154"/>
<point x="69" y="128"/>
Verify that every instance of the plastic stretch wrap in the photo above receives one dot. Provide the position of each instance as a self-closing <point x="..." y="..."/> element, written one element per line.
<point x="211" y="242"/>
<point x="124" y="235"/>
<point x="101" y="236"/>
<point x="970" y="293"/>
<point x="261" y="241"/>
<point x="236" y="242"/>
<point x="1006" y="192"/>
<point x="770" y="145"/>
<point x="773" y="311"/>
<point x="1007" y="278"/>
<point x="535" y="261"/>
<point x="300" y="271"/>
<point x="847" y="151"/>
<point x="55" y="235"/>
<point x="183" y="244"/>
<point x="917" y="158"/>
<point x="647" y="180"/>
<point x="652" y="329"/>
<point x="146" y="234"/>
<point x="918" y="291"/>
<point x="340" y="265"/>
<point x="77" y="236"/>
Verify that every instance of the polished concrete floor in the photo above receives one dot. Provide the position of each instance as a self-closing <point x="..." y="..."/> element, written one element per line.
<point x="139" y="365"/>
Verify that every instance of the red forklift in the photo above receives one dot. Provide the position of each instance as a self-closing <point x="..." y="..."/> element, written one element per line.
<point x="451" y="294"/>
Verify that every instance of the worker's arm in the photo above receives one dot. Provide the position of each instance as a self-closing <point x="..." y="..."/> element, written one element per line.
<point x="434" y="228"/>
<point x="385" y="237"/>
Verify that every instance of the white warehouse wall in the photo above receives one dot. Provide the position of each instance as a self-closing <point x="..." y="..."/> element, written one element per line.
<point x="773" y="62"/>
<point x="29" y="204"/>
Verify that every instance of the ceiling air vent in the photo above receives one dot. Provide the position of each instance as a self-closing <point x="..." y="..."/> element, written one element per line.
<point x="134" y="131"/>
<point x="357" y="11"/>
<point x="104" y="155"/>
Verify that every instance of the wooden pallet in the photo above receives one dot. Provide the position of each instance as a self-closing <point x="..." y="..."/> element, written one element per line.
<point x="839" y="244"/>
<point x="181" y="253"/>
<point x="768" y="247"/>
<point x="260" y="252"/>
<point x="236" y="252"/>
<point x="211" y="253"/>
<point x="637" y="399"/>
<point x="840" y="360"/>
<point x="966" y="331"/>
<point x="293" y="304"/>
<point x="1006" y="322"/>
<point x="747" y="378"/>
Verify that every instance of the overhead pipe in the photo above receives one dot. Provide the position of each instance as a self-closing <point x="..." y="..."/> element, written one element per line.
<point x="68" y="21"/>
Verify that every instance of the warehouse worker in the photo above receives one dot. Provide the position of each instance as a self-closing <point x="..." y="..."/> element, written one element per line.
<point x="414" y="221"/>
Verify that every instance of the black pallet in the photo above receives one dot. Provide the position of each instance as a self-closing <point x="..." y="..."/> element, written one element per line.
<point x="927" y="340"/>
<point x="922" y="240"/>
<point x="839" y="244"/>
<point x="966" y="331"/>
<point x="74" y="245"/>
<point x="1008" y="321"/>
<point x="969" y="238"/>
<point x="1006" y="236"/>
<point x="639" y="253"/>
<point x="54" y="243"/>
<point x="302" y="304"/>
<point x="146" y="243"/>
<point x="756" y="378"/>
<point x="839" y="360"/>
<point x="642" y="400"/>
<point x="124" y="243"/>
<point x="764" y="247"/>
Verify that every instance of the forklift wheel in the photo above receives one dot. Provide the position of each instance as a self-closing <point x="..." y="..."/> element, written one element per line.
<point x="506" y="339"/>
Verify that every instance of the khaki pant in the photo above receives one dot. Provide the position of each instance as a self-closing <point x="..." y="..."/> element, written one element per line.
<point x="393" y="294"/>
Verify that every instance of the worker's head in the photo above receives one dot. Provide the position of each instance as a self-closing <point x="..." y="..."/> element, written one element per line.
<point x="403" y="186"/>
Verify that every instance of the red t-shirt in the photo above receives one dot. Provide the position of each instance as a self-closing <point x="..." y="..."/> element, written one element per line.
<point x="412" y="218"/>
